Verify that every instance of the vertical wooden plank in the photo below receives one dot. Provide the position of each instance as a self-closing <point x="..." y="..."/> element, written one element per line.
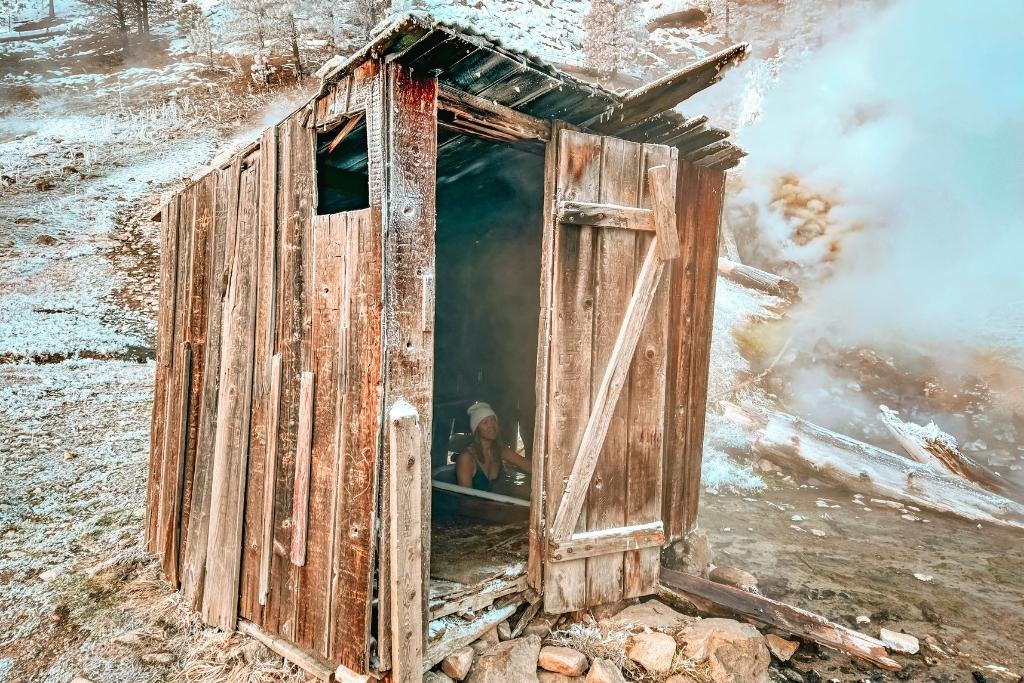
<point x="174" y="436"/>
<point x="164" y="364"/>
<point x="409" y="212"/>
<point x="570" y="388"/>
<point x="172" y="555"/>
<point x="674" y="489"/>
<point x="231" y="443"/>
<point x="647" y="404"/>
<point x="328" y="273"/>
<point x="303" y="456"/>
<point x="406" y="543"/>
<point x="359" y="424"/>
<point x="535" y="565"/>
<point x="269" y="482"/>
<point x="262" y="439"/>
<point x="614" y="274"/>
<point x="225" y="213"/>
<point x="205" y="198"/>
<point x="294" y="217"/>
<point x="710" y="191"/>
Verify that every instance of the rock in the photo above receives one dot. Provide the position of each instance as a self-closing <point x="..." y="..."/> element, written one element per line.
<point x="653" y="614"/>
<point x="604" y="671"/>
<point x="129" y="638"/>
<point x="693" y="554"/>
<point x="436" y="677"/>
<point x="734" y="652"/>
<point x="731" y="576"/>
<point x="81" y="679"/>
<point x="610" y="609"/>
<point x="552" y="677"/>
<point x="158" y="658"/>
<point x="901" y="642"/>
<point x="780" y="647"/>
<point x="863" y="619"/>
<point x="512" y="660"/>
<point x="541" y="625"/>
<point x="486" y="641"/>
<point x="46" y="240"/>
<point x="653" y="651"/>
<point x="562" y="660"/>
<point x="504" y="630"/>
<point x="49" y="575"/>
<point x="458" y="663"/>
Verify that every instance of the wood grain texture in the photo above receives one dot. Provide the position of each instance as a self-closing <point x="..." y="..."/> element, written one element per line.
<point x="303" y="456"/>
<point x="408" y="214"/>
<point x="608" y="542"/>
<point x="220" y="596"/>
<point x="406" y="543"/>
<point x="607" y="215"/>
<point x="262" y="444"/>
<point x="570" y="386"/>
<point x="266" y="534"/>
<point x="225" y="214"/>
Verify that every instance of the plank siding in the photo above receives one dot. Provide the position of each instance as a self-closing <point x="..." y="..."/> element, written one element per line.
<point x="261" y="430"/>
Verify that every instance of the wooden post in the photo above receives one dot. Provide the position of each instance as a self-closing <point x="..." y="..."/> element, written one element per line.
<point x="405" y="542"/>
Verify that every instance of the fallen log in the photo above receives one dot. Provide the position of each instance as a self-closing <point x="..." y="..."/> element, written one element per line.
<point x="755" y="278"/>
<point x="797" y="444"/>
<point x="797" y="621"/>
<point x="931" y="446"/>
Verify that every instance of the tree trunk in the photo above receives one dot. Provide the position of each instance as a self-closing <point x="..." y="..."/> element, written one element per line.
<point x="293" y="30"/>
<point x="52" y="12"/>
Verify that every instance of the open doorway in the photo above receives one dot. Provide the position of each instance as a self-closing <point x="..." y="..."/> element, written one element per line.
<point x="488" y="249"/>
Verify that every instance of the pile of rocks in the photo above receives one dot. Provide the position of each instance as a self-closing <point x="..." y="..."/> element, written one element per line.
<point x="642" y="641"/>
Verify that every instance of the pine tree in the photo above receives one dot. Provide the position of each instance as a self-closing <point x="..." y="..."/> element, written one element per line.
<point x="613" y="35"/>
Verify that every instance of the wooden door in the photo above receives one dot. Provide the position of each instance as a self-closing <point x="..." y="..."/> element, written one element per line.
<point x="597" y="530"/>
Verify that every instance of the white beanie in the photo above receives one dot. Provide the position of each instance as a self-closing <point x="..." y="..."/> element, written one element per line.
<point x="477" y="412"/>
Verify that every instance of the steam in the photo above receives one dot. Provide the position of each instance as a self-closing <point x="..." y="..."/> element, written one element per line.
<point x="906" y="137"/>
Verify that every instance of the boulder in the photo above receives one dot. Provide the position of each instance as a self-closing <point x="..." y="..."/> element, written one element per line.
<point x="734" y="652"/>
<point x="436" y="677"/>
<point x="512" y="660"/>
<point x="901" y="642"/>
<point x="653" y="615"/>
<point x="552" y="677"/>
<point x="653" y="651"/>
<point x="780" y="647"/>
<point x="731" y="576"/>
<point x="504" y="630"/>
<point x="693" y="554"/>
<point x="158" y="658"/>
<point x="541" y="625"/>
<point x="604" y="671"/>
<point x="486" y="641"/>
<point x="680" y="678"/>
<point x="458" y="663"/>
<point x="562" y="660"/>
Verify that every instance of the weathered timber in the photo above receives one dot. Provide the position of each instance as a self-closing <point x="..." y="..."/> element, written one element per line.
<point x="482" y="597"/>
<point x="605" y="215"/>
<point x="230" y="452"/>
<point x="485" y="118"/>
<point x="405" y="542"/>
<point x="648" y="382"/>
<point x="799" y="445"/>
<point x="755" y="278"/>
<point x="780" y="615"/>
<point x="664" y="211"/>
<point x="316" y="667"/>
<point x="172" y="553"/>
<point x="347" y="128"/>
<point x="269" y="481"/>
<point x="535" y="574"/>
<point x="225" y="215"/>
<point x="608" y="541"/>
<point x="262" y="434"/>
<point x="303" y="456"/>
<point x="461" y="633"/>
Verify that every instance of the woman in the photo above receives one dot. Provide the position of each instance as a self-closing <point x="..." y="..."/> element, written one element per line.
<point x="480" y="464"/>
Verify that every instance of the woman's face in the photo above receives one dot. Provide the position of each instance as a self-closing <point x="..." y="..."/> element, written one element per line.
<point x="488" y="427"/>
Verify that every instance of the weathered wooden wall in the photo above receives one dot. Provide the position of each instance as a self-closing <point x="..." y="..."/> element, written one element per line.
<point x="265" y="461"/>
<point x="699" y="197"/>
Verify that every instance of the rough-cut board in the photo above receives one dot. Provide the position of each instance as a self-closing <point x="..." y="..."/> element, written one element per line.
<point x="194" y="561"/>
<point x="230" y="452"/>
<point x="303" y="456"/>
<point x="264" y="405"/>
<point x="603" y="470"/>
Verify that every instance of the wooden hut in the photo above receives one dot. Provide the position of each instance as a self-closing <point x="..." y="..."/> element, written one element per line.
<point x="447" y="220"/>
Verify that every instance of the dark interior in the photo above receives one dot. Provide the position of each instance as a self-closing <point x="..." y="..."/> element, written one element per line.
<point x="342" y="181"/>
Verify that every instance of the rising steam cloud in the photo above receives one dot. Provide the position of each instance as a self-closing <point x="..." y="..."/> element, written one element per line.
<point x="912" y="127"/>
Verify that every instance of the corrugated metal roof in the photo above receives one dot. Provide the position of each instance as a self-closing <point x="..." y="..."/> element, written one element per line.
<point x="467" y="60"/>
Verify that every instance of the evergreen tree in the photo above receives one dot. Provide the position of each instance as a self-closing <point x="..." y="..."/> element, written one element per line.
<point x="613" y="35"/>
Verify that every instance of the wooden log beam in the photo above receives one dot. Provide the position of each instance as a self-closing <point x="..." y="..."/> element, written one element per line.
<point x="797" y="444"/>
<point x="723" y="160"/>
<point x="593" y="543"/>
<point x="664" y="212"/>
<point x="482" y="117"/>
<point x="347" y="128"/>
<point x="758" y="279"/>
<point x="316" y="667"/>
<point x="463" y="635"/>
<point x="668" y="91"/>
<point x="792" y="619"/>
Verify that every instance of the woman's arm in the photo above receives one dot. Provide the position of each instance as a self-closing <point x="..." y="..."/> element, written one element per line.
<point x="465" y="468"/>
<point x="510" y="456"/>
